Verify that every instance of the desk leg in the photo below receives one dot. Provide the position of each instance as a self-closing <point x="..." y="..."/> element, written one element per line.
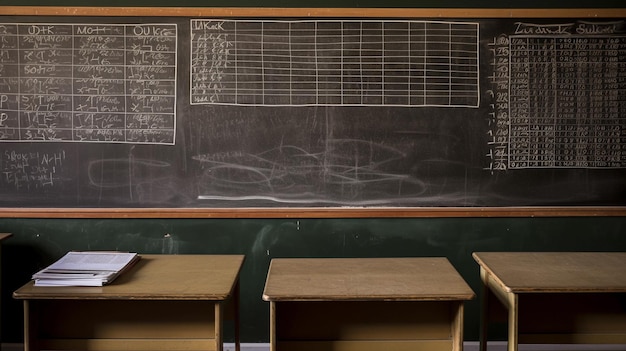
<point x="272" y="326"/>
<point x="219" y="341"/>
<point x="484" y="311"/>
<point x="513" y="321"/>
<point x="236" y="317"/>
<point x="31" y="330"/>
<point x="457" y="326"/>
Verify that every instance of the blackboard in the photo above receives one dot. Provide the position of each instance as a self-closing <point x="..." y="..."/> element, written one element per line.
<point x="249" y="109"/>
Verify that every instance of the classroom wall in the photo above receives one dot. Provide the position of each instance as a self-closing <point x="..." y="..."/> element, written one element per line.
<point x="37" y="242"/>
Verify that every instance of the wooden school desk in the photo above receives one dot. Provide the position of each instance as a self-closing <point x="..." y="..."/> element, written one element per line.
<point x="165" y="302"/>
<point x="365" y="304"/>
<point x="559" y="298"/>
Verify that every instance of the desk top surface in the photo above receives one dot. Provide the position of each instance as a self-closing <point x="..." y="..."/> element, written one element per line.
<point x="4" y="236"/>
<point x="157" y="277"/>
<point x="330" y="279"/>
<point x="530" y="272"/>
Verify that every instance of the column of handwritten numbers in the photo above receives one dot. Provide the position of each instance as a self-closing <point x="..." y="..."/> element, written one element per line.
<point x="99" y="83"/>
<point x="518" y="104"/>
<point x="590" y="123"/>
<point x="542" y="92"/>
<point x="610" y="120"/>
<point x="573" y="103"/>
<point x="596" y="101"/>
<point x="607" y="98"/>
<point x="151" y="83"/>
<point x="9" y="81"/>
<point x="619" y="131"/>
<point x="499" y="97"/>
<point x="45" y="82"/>
<point x="570" y="103"/>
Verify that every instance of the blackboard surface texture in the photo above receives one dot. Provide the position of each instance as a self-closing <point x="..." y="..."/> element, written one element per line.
<point x="232" y="108"/>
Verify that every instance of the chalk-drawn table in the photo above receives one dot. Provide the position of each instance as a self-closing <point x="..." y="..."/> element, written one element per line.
<point x="564" y="298"/>
<point x="88" y="82"/>
<point x="334" y="62"/>
<point x="173" y="302"/>
<point x="370" y="304"/>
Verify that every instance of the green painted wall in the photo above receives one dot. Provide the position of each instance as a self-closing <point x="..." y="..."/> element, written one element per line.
<point x="37" y="242"/>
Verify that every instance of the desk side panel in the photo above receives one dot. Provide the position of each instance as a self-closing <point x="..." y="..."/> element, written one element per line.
<point x="129" y="344"/>
<point x="363" y="320"/>
<point x="364" y="325"/>
<point x="415" y="345"/>
<point x="572" y="318"/>
<point x="106" y="319"/>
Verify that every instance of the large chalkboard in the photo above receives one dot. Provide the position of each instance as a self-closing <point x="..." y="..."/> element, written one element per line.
<point x="298" y="111"/>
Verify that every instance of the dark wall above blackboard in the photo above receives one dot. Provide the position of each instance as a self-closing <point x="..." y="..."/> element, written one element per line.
<point x="490" y="138"/>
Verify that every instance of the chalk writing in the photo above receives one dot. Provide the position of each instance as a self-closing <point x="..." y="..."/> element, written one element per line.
<point x="26" y="171"/>
<point x="498" y="119"/>
<point x="88" y="82"/>
<point x="295" y="63"/>
<point x="565" y="103"/>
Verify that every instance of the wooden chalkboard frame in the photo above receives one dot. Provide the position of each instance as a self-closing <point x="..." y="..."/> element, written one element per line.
<point x="310" y="12"/>
<point x="302" y="213"/>
<point x="331" y="212"/>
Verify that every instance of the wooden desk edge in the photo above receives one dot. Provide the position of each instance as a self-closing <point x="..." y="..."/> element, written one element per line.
<point x="27" y="290"/>
<point x="342" y="298"/>
<point x="529" y="290"/>
<point x="484" y="268"/>
<point x="90" y="296"/>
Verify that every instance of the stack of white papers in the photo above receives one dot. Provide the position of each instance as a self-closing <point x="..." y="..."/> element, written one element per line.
<point x="90" y="268"/>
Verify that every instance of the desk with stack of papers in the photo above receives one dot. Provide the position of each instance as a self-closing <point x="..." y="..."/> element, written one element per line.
<point x="173" y="302"/>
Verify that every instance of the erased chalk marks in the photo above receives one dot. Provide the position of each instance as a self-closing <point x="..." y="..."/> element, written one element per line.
<point x="348" y="172"/>
<point x="113" y="173"/>
<point x="284" y="167"/>
<point x="145" y="180"/>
